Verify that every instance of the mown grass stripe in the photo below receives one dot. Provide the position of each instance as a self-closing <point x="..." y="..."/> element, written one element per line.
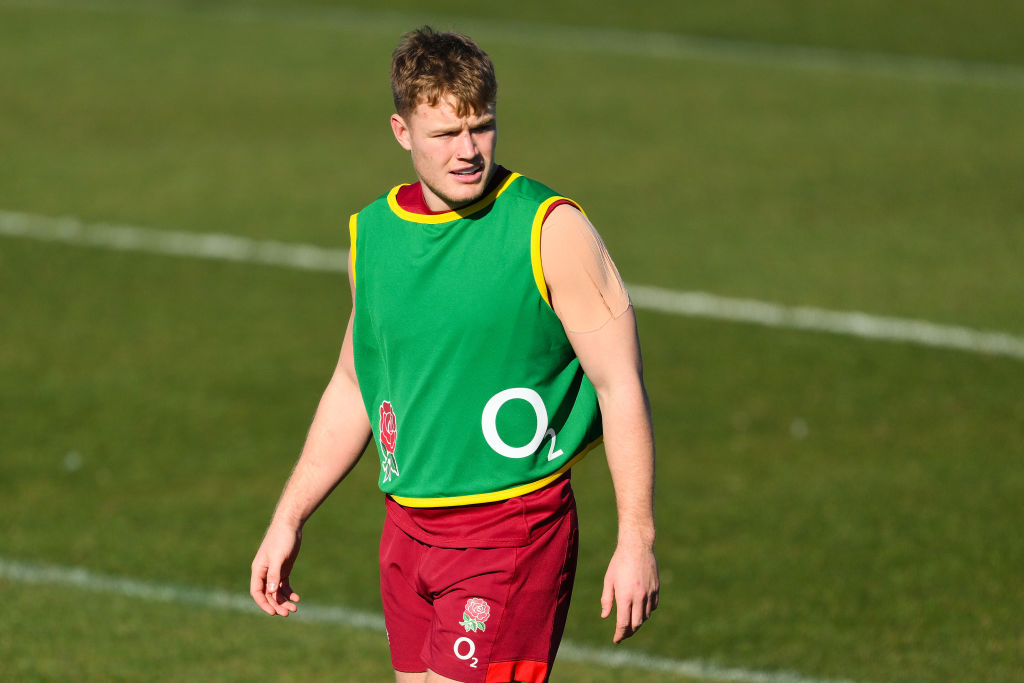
<point x="650" y="44"/>
<point x="83" y="579"/>
<point x="692" y="304"/>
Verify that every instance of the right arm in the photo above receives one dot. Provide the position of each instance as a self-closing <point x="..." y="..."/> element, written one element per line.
<point x="336" y="439"/>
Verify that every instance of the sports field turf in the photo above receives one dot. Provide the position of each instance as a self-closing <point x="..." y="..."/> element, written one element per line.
<point x="829" y="507"/>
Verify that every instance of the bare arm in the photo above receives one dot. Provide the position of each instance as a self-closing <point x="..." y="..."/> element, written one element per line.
<point x="587" y="295"/>
<point x="336" y="439"/>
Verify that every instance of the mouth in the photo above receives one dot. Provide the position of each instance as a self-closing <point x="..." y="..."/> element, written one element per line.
<point x="469" y="174"/>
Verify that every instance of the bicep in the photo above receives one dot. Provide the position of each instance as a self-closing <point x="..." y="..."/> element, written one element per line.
<point x="344" y="384"/>
<point x="610" y="356"/>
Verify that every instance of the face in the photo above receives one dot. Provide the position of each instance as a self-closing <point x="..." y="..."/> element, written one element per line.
<point x="453" y="156"/>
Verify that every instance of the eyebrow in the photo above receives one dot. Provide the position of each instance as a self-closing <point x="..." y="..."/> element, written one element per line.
<point x="482" y="123"/>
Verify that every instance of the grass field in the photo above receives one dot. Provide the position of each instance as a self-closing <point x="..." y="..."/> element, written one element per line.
<point x="833" y="507"/>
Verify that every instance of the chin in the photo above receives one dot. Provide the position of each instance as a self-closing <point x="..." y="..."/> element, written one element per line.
<point x="462" y="198"/>
<point x="471" y="196"/>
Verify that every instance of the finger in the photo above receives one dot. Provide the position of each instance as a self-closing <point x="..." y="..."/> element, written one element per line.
<point x="286" y="590"/>
<point x="623" y="614"/>
<point x="606" y="600"/>
<point x="652" y="604"/>
<point x="284" y="598"/>
<point x="639" y="614"/>
<point x="273" y="586"/>
<point x="257" y="587"/>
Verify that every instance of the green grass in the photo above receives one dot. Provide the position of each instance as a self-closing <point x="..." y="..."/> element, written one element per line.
<point x="103" y="637"/>
<point x="836" y="507"/>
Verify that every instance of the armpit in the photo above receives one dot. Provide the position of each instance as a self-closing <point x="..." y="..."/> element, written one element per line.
<point x="583" y="283"/>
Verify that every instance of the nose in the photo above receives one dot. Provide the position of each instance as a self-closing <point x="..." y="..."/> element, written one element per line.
<point x="467" y="148"/>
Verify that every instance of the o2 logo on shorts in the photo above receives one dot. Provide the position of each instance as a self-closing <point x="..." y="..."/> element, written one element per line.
<point x="465" y="649"/>
<point x="489" y="424"/>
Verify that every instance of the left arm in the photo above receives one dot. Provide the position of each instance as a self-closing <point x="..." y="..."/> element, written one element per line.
<point x="589" y="298"/>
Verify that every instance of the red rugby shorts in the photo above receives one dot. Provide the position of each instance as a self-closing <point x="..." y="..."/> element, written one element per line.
<point x="478" y="614"/>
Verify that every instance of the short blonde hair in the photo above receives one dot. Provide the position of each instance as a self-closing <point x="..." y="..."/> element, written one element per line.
<point x="427" y="65"/>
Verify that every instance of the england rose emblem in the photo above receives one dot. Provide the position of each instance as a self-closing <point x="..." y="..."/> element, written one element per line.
<point x="474" y="614"/>
<point x="388" y="435"/>
<point x="388" y="427"/>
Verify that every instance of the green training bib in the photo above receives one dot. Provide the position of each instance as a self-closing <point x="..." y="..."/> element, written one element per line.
<point x="472" y="388"/>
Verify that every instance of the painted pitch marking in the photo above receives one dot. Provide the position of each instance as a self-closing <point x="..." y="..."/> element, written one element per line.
<point x="692" y="304"/>
<point x="634" y="43"/>
<point x="337" y="615"/>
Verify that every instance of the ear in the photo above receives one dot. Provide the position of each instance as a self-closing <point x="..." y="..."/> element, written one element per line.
<point x="401" y="130"/>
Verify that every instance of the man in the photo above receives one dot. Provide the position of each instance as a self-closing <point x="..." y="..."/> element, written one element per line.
<point x="490" y="343"/>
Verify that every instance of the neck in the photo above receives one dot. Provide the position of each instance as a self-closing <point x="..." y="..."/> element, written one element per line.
<point x="413" y="197"/>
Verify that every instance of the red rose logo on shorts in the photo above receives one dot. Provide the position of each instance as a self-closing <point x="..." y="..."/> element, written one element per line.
<point x="475" y="613"/>
<point x="388" y="435"/>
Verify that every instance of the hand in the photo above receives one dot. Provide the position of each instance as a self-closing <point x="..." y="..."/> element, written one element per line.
<point x="631" y="584"/>
<point x="271" y="567"/>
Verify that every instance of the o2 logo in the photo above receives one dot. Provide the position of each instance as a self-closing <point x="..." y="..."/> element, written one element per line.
<point x="489" y="424"/>
<point x="465" y="649"/>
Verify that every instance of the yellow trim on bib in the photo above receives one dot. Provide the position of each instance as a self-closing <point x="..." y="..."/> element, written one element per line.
<point x="352" y="245"/>
<point x="437" y="218"/>
<point x="495" y="496"/>
<point x="538" y="223"/>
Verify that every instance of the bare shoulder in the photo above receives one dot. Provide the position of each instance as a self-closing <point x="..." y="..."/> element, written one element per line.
<point x="584" y="284"/>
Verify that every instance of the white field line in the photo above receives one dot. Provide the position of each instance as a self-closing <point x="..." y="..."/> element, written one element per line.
<point x="215" y="246"/>
<point x="693" y="304"/>
<point x="648" y="44"/>
<point x="83" y="579"/>
<point x="852" y="323"/>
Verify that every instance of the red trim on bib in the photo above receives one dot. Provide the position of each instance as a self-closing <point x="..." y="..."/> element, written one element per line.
<point x="410" y="197"/>
<point x="559" y="203"/>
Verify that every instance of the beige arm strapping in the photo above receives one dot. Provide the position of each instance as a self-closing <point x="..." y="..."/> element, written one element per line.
<point x="583" y="283"/>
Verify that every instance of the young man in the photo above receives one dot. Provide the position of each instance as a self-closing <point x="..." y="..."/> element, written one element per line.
<point x="490" y="344"/>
